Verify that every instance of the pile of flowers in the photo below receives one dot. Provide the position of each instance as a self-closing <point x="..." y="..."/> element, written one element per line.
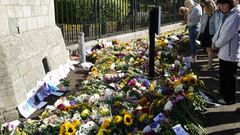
<point x="119" y="98"/>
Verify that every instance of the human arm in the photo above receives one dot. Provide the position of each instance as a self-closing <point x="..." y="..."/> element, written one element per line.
<point x="229" y="30"/>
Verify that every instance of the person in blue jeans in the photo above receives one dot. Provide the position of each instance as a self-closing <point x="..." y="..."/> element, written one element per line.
<point x="227" y="40"/>
<point x="193" y="23"/>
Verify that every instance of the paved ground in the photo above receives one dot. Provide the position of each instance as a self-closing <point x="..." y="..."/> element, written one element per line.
<point x="224" y="120"/>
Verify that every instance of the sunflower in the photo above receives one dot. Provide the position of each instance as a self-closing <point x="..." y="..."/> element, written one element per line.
<point x="190" y="80"/>
<point x="67" y="128"/>
<point x="185" y="80"/>
<point x="128" y="119"/>
<point x="117" y="119"/>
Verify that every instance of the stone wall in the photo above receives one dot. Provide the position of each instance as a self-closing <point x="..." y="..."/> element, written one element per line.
<point x="28" y="34"/>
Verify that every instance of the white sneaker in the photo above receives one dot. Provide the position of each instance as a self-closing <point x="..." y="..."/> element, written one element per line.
<point x="216" y="91"/>
<point x="193" y="60"/>
<point x="222" y="101"/>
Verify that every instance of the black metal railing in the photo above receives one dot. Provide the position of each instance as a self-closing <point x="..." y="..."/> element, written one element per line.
<point x="102" y="18"/>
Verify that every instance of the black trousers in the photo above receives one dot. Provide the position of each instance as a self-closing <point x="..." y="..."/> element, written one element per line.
<point x="228" y="75"/>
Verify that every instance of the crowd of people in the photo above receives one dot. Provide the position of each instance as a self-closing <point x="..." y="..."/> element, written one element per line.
<point x="216" y="24"/>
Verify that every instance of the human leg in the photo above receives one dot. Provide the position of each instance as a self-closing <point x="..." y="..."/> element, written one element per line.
<point x="227" y="72"/>
<point x="210" y="56"/>
<point x="193" y="30"/>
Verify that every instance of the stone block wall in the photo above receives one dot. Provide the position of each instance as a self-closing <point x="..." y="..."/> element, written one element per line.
<point x="25" y="15"/>
<point x="28" y="34"/>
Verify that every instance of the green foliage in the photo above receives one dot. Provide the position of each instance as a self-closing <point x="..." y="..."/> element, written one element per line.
<point x="65" y="82"/>
<point x="84" y="11"/>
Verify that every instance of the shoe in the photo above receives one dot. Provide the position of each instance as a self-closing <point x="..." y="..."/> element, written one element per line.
<point x="216" y="78"/>
<point x="223" y="102"/>
<point x="206" y="68"/>
<point x="193" y="60"/>
<point x="216" y="91"/>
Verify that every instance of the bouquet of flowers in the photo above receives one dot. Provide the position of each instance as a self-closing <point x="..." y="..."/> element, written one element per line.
<point x="118" y="97"/>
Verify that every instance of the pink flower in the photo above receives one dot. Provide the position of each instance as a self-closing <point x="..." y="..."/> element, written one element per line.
<point x="131" y="82"/>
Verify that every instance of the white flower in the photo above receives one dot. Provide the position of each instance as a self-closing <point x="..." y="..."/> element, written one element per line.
<point x="174" y="38"/>
<point x="62" y="101"/>
<point x="112" y="66"/>
<point x="131" y="60"/>
<point x="177" y="62"/>
<point x="138" y="84"/>
<point x="157" y="62"/>
<point x="191" y="88"/>
<point x="168" y="106"/>
<point x="93" y="98"/>
<point x="178" y="88"/>
<point x="76" y="116"/>
<point x="143" y="88"/>
<point x="159" y="91"/>
<point x="83" y="97"/>
<point x="147" y="129"/>
<point x="86" y="128"/>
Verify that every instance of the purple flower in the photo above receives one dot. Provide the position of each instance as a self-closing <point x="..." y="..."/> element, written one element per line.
<point x="73" y="103"/>
<point x="120" y="55"/>
<point x="182" y="72"/>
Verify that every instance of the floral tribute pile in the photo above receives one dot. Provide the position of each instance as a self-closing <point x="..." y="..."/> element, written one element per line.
<point x="119" y="99"/>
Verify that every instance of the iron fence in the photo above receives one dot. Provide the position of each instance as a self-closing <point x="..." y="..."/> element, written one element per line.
<point x="102" y="18"/>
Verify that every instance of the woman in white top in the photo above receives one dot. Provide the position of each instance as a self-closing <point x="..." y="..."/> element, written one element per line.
<point x="193" y="23"/>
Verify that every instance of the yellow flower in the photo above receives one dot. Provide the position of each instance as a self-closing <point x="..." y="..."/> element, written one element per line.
<point x="128" y="119"/>
<point x="94" y="71"/>
<point x="84" y="113"/>
<point x="124" y="112"/>
<point x="152" y="86"/>
<point x="190" y="96"/>
<point x="67" y="108"/>
<point x="127" y="43"/>
<point x="116" y="42"/>
<point x="106" y="123"/>
<point x="43" y="115"/>
<point x="117" y="119"/>
<point x="101" y="131"/>
<point x="117" y="103"/>
<point x="94" y="54"/>
<point x="190" y="80"/>
<point x="67" y="128"/>
<point x="142" y="117"/>
<point x="76" y="123"/>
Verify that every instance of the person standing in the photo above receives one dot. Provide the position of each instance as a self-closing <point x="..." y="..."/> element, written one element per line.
<point x="227" y="40"/>
<point x="193" y="23"/>
<point x="207" y="30"/>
